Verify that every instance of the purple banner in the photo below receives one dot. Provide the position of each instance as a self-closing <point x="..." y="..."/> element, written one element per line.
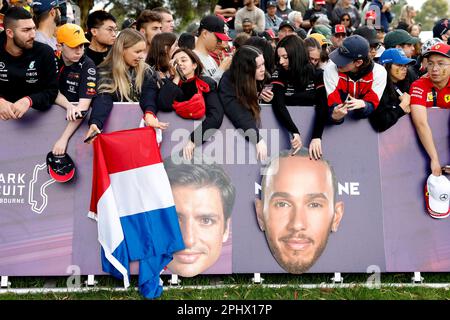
<point x="45" y="229"/>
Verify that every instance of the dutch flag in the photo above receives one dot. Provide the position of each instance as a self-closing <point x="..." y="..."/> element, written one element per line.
<point x="133" y="204"/>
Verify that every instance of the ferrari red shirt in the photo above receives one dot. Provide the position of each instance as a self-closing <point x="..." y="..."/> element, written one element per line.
<point x="425" y="94"/>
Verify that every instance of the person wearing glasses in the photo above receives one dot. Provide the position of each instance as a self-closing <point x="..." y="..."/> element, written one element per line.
<point x="395" y="102"/>
<point x="101" y="31"/>
<point x="47" y="16"/>
<point x="432" y="90"/>
<point x="370" y="34"/>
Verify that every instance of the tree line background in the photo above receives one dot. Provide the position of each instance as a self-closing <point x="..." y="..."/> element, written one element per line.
<point x="187" y="11"/>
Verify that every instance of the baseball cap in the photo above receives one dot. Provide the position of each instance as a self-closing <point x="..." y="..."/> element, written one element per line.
<point x="398" y="36"/>
<point x="216" y="25"/>
<point x="370" y="34"/>
<point x="395" y="55"/>
<point x="441" y="27"/>
<point x="268" y="34"/>
<point x="287" y="23"/>
<point x="271" y="4"/>
<point x="128" y="23"/>
<point x="353" y="48"/>
<point x="437" y="195"/>
<point x="71" y="35"/>
<point x="320" y="1"/>
<point x="371" y="14"/>
<point x="60" y="168"/>
<point x="430" y="43"/>
<point x="320" y="38"/>
<point x="339" y="28"/>
<point x="41" y="6"/>
<point x="441" y="48"/>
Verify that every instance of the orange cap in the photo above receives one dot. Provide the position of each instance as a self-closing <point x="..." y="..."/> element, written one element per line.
<point x="71" y="35"/>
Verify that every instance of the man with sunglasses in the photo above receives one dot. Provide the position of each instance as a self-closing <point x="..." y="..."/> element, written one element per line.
<point x="432" y="90"/>
<point x="354" y="83"/>
<point x="102" y="31"/>
<point x="370" y="34"/>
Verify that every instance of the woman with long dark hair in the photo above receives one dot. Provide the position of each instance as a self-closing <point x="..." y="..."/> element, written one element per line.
<point x="191" y="96"/>
<point x="124" y="77"/>
<point x="395" y="102"/>
<point x="239" y="91"/>
<point x="297" y="83"/>
<point x="162" y="48"/>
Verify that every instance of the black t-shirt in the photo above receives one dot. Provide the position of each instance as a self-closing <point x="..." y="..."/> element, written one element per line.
<point x="95" y="56"/>
<point x="225" y="4"/>
<point x="79" y="80"/>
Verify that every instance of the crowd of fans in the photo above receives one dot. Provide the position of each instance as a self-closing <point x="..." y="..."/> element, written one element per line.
<point x="347" y="58"/>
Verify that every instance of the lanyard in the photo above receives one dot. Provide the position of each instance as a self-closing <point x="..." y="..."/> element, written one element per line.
<point x="434" y="97"/>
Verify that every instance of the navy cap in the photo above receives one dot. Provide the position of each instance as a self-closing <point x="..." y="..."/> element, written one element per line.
<point x="41" y="6"/>
<point x="353" y="48"/>
<point x="395" y="55"/>
<point x="271" y="4"/>
<point x="441" y="27"/>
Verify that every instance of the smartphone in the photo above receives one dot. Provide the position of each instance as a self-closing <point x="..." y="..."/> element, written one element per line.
<point x="268" y="87"/>
<point x="182" y="76"/>
<point x="346" y="102"/>
<point x="446" y="169"/>
<point x="92" y="136"/>
<point x="83" y="114"/>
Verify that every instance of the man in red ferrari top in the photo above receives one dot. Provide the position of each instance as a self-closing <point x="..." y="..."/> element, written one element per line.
<point x="432" y="90"/>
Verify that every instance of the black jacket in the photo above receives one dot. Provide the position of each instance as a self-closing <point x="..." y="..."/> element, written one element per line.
<point x="103" y="103"/>
<point x="240" y="116"/>
<point x="389" y="110"/>
<point x="33" y="74"/>
<point x="170" y="92"/>
<point x="287" y="93"/>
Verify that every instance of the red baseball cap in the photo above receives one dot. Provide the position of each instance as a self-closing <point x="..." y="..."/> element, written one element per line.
<point x="215" y="24"/>
<point x="441" y="48"/>
<point x="339" y="28"/>
<point x="60" y="168"/>
<point x="371" y="14"/>
<point x="320" y="1"/>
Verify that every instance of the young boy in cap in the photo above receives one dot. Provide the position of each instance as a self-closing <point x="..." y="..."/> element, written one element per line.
<point x="77" y="80"/>
<point x="400" y="39"/>
<point x="354" y="83"/>
<point x="432" y="90"/>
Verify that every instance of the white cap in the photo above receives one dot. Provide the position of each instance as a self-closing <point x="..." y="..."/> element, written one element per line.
<point x="439" y="193"/>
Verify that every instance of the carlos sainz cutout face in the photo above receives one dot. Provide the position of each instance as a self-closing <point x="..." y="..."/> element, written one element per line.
<point x="203" y="226"/>
<point x="298" y="211"/>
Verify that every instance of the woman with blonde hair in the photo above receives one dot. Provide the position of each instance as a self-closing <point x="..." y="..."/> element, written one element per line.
<point x="407" y="15"/>
<point x="125" y="77"/>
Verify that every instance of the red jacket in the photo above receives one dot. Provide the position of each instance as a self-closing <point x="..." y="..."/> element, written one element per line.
<point x="368" y="86"/>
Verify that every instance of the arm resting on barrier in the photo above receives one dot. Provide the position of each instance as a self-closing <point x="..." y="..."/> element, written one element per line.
<point x="420" y="120"/>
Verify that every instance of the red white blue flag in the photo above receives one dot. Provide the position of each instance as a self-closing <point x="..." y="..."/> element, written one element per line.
<point x="133" y="204"/>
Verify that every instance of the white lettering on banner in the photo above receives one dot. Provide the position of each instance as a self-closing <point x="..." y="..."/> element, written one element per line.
<point x="349" y="188"/>
<point x="12" y="184"/>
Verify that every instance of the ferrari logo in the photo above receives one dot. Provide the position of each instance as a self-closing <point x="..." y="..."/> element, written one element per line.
<point x="430" y="96"/>
<point x="447" y="98"/>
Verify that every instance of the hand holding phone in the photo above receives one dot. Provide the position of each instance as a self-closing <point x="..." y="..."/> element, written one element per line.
<point x="180" y="73"/>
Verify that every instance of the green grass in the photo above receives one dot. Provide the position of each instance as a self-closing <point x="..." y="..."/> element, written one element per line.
<point x="239" y="287"/>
